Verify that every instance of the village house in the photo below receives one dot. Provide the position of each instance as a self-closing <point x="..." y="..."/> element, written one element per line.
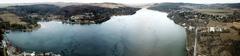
<point x="76" y="17"/>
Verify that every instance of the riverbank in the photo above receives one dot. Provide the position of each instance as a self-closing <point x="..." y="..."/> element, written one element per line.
<point x="215" y="36"/>
<point x="218" y="29"/>
<point x="8" y="49"/>
<point x="1" y="38"/>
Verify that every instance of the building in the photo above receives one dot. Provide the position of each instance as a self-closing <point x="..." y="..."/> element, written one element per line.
<point x="212" y="29"/>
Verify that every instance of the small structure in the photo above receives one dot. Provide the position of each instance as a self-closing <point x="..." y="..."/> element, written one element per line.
<point x="212" y="29"/>
<point x="76" y="17"/>
<point x="191" y="28"/>
<point x="32" y="54"/>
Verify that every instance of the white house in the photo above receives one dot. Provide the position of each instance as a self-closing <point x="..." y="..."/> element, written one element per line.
<point x="212" y="29"/>
<point x="33" y="54"/>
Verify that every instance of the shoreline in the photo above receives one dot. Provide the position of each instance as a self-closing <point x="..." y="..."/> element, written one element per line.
<point x="208" y="39"/>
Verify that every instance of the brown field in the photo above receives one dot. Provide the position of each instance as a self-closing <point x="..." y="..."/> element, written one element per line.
<point x="215" y="11"/>
<point x="233" y="34"/>
<point x="11" y="18"/>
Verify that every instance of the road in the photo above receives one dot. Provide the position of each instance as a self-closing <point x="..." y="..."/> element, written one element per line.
<point x="195" y="42"/>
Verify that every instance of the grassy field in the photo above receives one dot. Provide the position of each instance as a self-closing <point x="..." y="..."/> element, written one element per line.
<point x="215" y="11"/>
<point x="233" y="34"/>
<point x="11" y="18"/>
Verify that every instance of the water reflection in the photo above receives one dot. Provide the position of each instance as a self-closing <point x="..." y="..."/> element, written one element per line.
<point x="146" y="33"/>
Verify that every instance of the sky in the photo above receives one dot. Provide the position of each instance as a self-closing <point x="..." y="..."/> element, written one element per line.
<point x="122" y="1"/>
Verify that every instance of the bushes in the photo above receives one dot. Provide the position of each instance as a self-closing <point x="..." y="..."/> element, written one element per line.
<point x="18" y="26"/>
